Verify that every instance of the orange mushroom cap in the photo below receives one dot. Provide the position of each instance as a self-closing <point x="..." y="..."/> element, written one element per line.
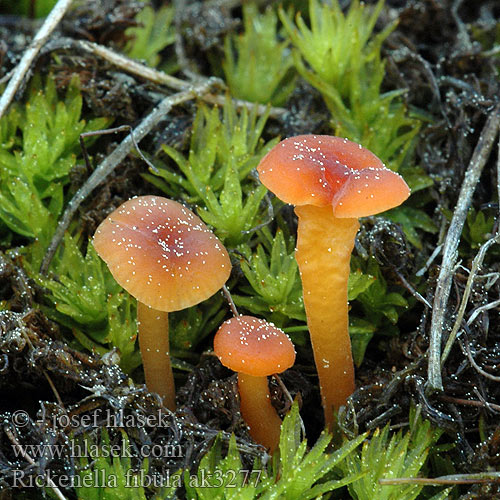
<point x="253" y="346"/>
<point x="324" y="170"/>
<point x="162" y="253"/>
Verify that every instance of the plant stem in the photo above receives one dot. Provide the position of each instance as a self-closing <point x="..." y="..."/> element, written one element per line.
<point x="155" y="352"/>
<point x="324" y="248"/>
<point x="230" y="301"/>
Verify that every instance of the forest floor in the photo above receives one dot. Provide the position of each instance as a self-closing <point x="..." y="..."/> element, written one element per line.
<point x="207" y="89"/>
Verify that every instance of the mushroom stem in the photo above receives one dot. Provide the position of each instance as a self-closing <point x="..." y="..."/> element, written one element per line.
<point x="155" y="352"/>
<point x="324" y="247"/>
<point x="257" y="410"/>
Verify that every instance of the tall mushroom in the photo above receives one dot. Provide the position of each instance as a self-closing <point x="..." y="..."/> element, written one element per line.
<point x="255" y="349"/>
<point x="167" y="258"/>
<point x="332" y="182"/>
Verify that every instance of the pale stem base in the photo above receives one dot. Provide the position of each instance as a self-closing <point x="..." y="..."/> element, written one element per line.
<point x="324" y="248"/>
<point x="155" y="353"/>
<point x="258" y="412"/>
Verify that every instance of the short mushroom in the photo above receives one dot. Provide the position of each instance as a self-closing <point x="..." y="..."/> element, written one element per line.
<point x="167" y="258"/>
<point x="332" y="182"/>
<point x="255" y="349"/>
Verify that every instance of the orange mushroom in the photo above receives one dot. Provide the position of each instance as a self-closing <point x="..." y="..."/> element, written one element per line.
<point x="167" y="258"/>
<point x="255" y="349"/>
<point x="332" y="182"/>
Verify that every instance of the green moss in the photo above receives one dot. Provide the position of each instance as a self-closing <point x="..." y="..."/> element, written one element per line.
<point x="191" y="326"/>
<point x="108" y="472"/>
<point x="298" y="473"/>
<point x="39" y="143"/>
<point x="257" y="66"/>
<point x="387" y="455"/>
<point x="155" y="32"/>
<point x="340" y="56"/>
<point x="274" y="290"/>
<point x="377" y="306"/>
<point x="37" y="9"/>
<point x="82" y="295"/>
<point x="215" y="175"/>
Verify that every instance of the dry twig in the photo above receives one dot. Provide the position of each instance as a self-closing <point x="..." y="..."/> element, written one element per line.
<point x="153" y="75"/>
<point x="230" y="301"/>
<point x="481" y="477"/>
<point x="29" y="55"/>
<point x="476" y="264"/>
<point x="443" y="286"/>
<point x="120" y="61"/>
<point x="469" y="402"/>
<point x="466" y="348"/>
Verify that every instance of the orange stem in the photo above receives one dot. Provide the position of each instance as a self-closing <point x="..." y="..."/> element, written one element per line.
<point x="324" y="247"/>
<point x="258" y="412"/>
<point x="155" y="352"/>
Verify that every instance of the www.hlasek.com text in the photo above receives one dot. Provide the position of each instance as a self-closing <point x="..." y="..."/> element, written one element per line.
<point x="86" y="449"/>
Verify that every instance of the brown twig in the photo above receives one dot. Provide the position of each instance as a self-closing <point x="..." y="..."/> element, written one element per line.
<point x="288" y="396"/>
<point x="54" y="389"/>
<point x="468" y="402"/>
<point x="412" y="290"/>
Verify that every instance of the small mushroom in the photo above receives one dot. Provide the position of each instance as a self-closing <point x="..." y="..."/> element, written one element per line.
<point x="167" y="258"/>
<point x="255" y="349"/>
<point x="332" y="182"/>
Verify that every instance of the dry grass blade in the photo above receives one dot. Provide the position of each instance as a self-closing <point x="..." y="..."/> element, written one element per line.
<point x="123" y="62"/>
<point x="153" y="75"/>
<point x="476" y="264"/>
<point x="29" y="55"/>
<point x="443" y="286"/>
<point x="482" y="477"/>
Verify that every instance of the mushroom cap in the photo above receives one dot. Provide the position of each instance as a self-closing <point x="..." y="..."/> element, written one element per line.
<point x="325" y="170"/>
<point x="162" y="253"/>
<point x="253" y="346"/>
